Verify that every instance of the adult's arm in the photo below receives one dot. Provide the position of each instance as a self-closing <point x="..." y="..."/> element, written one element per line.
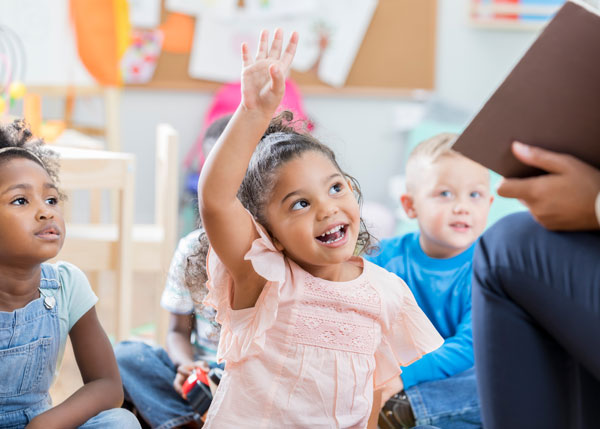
<point x="565" y="199"/>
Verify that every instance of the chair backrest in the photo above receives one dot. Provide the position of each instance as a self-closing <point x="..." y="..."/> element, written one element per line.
<point x="166" y="187"/>
<point x="95" y="249"/>
<point x="166" y="205"/>
<point x="109" y="130"/>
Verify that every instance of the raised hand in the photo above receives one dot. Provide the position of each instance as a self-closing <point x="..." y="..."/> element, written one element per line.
<point x="564" y="198"/>
<point x="263" y="79"/>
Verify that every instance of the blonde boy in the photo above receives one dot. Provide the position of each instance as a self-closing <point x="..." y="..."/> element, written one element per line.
<point x="449" y="196"/>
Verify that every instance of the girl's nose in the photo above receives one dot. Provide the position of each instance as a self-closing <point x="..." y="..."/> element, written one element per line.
<point x="327" y="210"/>
<point x="44" y="213"/>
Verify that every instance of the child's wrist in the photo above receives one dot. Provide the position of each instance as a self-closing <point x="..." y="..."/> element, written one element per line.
<point x="257" y="113"/>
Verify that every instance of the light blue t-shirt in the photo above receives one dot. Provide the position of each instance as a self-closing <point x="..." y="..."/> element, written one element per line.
<point x="442" y="288"/>
<point x="74" y="298"/>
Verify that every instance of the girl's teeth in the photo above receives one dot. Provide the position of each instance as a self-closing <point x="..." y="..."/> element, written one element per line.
<point x="337" y="239"/>
<point x="332" y="230"/>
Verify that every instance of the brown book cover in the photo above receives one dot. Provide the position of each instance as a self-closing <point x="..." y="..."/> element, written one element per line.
<point x="550" y="99"/>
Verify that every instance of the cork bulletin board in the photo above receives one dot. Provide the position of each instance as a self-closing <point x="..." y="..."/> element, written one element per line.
<point x="397" y="55"/>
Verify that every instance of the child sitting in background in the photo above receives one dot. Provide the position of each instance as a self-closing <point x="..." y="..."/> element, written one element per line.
<point x="449" y="196"/>
<point x="310" y="332"/>
<point x="41" y="303"/>
<point x="153" y="377"/>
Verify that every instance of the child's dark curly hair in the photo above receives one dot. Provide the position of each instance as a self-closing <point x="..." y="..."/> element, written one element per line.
<point x="17" y="141"/>
<point x="283" y="141"/>
<point x="195" y="275"/>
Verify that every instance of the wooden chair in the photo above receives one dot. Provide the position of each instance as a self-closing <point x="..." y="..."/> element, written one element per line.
<point x="95" y="247"/>
<point x="154" y="244"/>
<point x="86" y="245"/>
<point x="65" y="131"/>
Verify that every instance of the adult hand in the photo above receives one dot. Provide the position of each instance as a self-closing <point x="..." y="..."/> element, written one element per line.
<point x="263" y="80"/>
<point x="562" y="200"/>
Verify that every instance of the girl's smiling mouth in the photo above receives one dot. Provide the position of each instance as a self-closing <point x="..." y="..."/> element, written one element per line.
<point x="334" y="237"/>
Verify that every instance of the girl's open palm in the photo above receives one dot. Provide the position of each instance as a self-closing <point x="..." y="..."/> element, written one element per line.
<point x="263" y="80"/>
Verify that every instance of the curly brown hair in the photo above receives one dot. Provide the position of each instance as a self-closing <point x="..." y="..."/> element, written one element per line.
<point x="283" y="141"/>
<point x="195" y="276"/>
<point x="17" y="141"/>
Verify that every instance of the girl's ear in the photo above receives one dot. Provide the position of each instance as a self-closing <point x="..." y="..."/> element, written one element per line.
<point x="277" y="244"/>
<point x="408" y="204"/>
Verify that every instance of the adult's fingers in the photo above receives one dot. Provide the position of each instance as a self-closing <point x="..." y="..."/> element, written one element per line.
<point x="552" y="162"/>
<point x="517" y="188"/>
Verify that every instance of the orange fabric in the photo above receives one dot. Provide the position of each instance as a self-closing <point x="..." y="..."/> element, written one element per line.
<point x="32" y="112"/>
<point x="101" y="27"/>
<point x="178" y="30"/>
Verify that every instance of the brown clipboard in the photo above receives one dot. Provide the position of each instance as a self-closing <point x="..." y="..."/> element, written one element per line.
<point x="550" y="99"/>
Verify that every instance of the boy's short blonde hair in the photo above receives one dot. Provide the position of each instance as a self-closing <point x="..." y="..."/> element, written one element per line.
<point x="429" y="151"/>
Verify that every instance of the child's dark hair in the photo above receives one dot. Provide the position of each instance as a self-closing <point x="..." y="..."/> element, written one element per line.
<point x="195" y="276"/>
<point x="17" y="141"/>
<point x="213" y="132"/>
<point x="284" y="141"/>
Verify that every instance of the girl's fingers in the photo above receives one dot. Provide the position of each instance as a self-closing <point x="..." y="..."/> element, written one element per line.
<point x="275" y="51"/>
<point x="290" y="51"/>
<point x="277" y="78"/>
<point x="245" y="57"/>
<point x="263" y="45"/>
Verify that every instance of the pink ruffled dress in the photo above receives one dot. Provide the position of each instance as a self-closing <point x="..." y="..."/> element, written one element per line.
<point x="311" y="351"/>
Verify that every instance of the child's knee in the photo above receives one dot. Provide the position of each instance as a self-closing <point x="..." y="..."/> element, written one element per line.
<point x="129" y="352"/>
<point x="115" y="418"/>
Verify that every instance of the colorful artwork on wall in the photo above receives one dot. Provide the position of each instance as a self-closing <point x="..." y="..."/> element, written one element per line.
<point x="518" y="14"/>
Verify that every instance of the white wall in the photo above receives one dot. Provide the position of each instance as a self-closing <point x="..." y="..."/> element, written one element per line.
<point x="471" y="62"/>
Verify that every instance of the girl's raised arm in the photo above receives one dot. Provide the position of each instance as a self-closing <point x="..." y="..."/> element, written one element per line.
<point x="227" y="224"/>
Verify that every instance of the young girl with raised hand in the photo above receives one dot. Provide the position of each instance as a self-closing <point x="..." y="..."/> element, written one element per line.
<point x="41" y="303"/>
<point x="309" y="331"/>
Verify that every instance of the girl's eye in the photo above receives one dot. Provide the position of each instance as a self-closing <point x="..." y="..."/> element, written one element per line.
<point x="335" y="189"/>
<point x="299" y="205"/>
<point x="19" y="201"/>
<point x="475" y="194"/>
<point x="446" y="194"/>
<point x="52" y="201"/>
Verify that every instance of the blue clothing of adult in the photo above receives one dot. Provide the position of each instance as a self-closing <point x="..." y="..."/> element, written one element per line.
<point x="536" y="325"/>
<point x="30" y="343"/>
<point x="440" y="386"/>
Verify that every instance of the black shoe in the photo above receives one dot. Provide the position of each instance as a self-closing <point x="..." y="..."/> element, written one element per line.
<point x="129" y="406"/>
<point x="396" y="413"/>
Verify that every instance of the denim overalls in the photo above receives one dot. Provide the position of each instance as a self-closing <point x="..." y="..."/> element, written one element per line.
<point x="29" y="344"/>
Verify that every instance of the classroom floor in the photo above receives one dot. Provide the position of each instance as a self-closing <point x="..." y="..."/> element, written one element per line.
<point x="69" y="379"/>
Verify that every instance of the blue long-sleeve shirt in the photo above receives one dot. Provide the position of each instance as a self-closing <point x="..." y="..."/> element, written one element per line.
<point x="442" y="288"/>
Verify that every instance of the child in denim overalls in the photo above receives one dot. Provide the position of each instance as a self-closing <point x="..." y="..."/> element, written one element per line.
<point x="40" y="303"/>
